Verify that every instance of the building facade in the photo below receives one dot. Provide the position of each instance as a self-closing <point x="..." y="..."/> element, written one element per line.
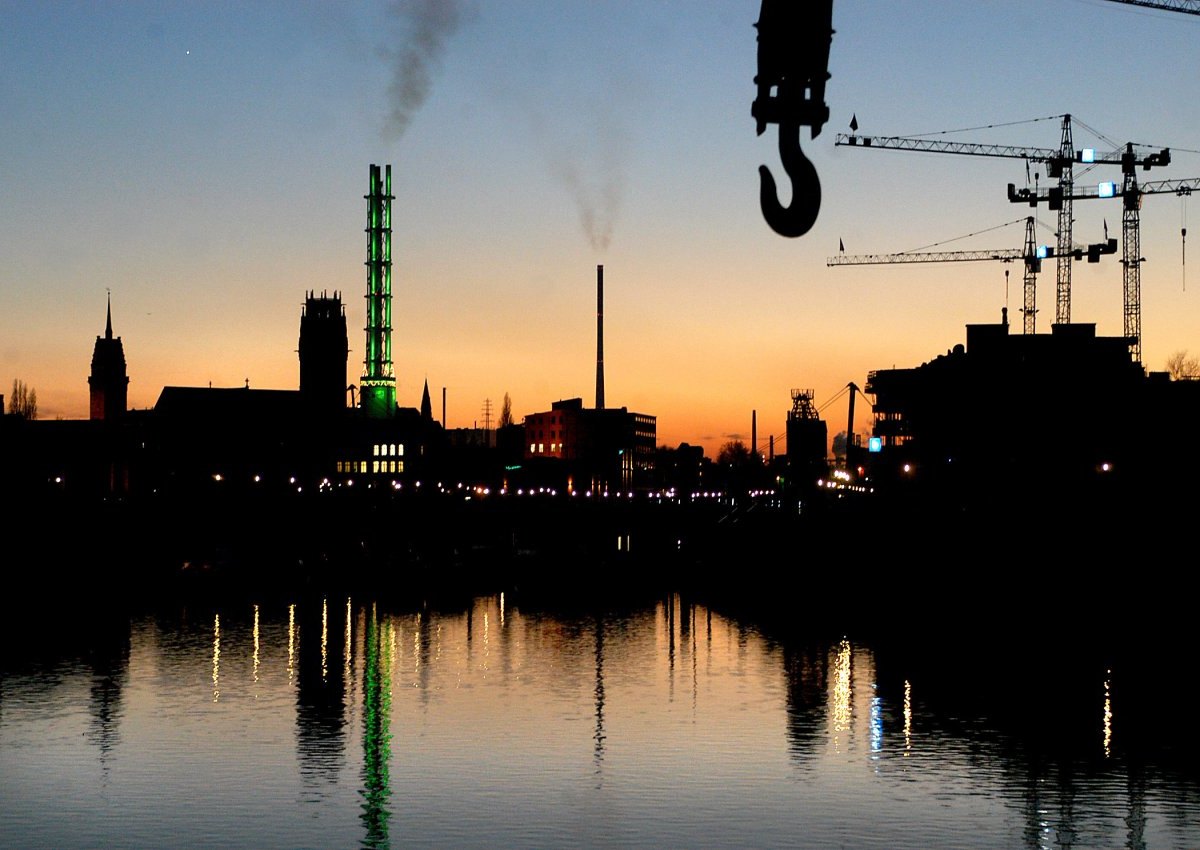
<point x="595" y="450"/>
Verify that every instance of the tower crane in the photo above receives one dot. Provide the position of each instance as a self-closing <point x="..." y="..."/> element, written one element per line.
<point x="1188" y="7"/>
<point x="1131" y="260"/>
<point x="1059" y="162"/>
<point x="1031" y="254"/>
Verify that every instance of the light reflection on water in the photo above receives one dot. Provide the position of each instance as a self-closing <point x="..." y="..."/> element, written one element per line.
<point x="1107" y="714"/>
<point x="657" y="724"/>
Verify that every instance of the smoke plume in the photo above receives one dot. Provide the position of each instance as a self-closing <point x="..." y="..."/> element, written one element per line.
<point x="425" y="26"/>
<point x="592" y="170"/>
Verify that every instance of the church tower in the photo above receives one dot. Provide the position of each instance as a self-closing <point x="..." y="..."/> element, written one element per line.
<point x="324" y="353"/>
<point x="109" y="382"/>
<point x="426" y="405"/>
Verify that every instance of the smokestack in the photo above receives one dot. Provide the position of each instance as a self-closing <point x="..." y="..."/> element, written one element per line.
<point x="599" y="337"/>
<point x="753" y="433"/>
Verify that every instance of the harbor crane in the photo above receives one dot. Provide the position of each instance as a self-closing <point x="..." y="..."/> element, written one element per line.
<point x="1131" y="259"/>
<point x="1031" y="254"/>
<point x="1060" y="163"/>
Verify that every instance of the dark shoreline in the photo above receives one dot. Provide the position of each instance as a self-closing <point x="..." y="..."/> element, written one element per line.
<point x="1037" y="559"/>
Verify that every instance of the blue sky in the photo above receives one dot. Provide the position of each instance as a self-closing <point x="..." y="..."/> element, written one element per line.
<point x="206" y="163"/>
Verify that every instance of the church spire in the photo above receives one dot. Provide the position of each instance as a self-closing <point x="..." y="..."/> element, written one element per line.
<point x="109" y="382"/>
<point x="426" y="405"/>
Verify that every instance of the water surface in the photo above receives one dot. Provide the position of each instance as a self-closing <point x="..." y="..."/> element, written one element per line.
<point x="314" y="719"/>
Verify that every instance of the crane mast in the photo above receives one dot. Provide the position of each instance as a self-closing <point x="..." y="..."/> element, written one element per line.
<point x="1131" y="263"/>
<point x="1066" y="182"/>
<point x="1131" y="253"/>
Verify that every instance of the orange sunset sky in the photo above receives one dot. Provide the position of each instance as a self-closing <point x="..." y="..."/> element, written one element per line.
<point x="206" y="164"/>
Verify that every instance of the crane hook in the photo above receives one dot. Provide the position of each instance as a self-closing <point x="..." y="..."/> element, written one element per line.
<point x="793" y="67"/>
<point x="800" y="215"/>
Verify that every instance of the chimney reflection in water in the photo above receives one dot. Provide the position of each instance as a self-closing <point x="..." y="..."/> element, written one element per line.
<point x="1108" y="714"/>
<point x="291" y="642"/>
<point x="907" y="717"/>
<point x="216" y="657"/>
<point x="255" y="659"/>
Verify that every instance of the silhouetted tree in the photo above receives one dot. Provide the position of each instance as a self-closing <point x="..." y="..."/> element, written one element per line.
<point x="733" y="454"/>
<point x="1182" y="367"/>
<point x="738" y="471"/>
<point x="23" y="401"/>
<point x="506" y="412"/>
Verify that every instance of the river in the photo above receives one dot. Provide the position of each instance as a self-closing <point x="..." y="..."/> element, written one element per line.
<point x="315" y="717"/>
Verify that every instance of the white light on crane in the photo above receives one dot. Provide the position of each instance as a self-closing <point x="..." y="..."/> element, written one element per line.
<point x="1107" y="190"/>
<point x="1087" y="155"/>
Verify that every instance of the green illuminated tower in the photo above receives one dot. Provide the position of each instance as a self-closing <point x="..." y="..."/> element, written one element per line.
<point x="377" y="387"/>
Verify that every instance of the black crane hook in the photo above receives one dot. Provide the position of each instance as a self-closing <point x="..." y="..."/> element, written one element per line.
<point x="793" y="61"/>
<point x="800" y="215"/>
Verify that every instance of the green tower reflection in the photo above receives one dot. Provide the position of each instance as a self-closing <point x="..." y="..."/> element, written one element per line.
<point x="377" y="751"/>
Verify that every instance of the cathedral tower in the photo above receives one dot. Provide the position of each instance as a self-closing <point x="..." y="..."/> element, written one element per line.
<point x="109" y="382"/>
<point x="324" y="353"/>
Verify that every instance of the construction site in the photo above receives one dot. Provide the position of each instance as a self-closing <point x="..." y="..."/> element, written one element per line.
<point x="1011" y="410"/>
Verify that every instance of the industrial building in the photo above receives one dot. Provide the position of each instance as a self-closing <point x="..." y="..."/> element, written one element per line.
<point x="1040" y="417"/>
<point x="201" y="441"/>
<point x="594" y="450"/>
<point x="807" y="441"/>
<point x="196" y="440"/>
<point x="242" y="438"/>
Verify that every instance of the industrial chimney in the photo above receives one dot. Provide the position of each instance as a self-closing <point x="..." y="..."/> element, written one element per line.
<point x="599" y="337"/>
<point x="377" y="387"/>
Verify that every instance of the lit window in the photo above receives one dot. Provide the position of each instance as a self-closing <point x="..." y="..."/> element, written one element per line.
<point x="532" y="448"/>
<point x="541" y="448"/>
<point x="375" y="450"/>
<point x="400" y="449"/>
<point x="399" y="466"/>
<point x="374" y="466"/>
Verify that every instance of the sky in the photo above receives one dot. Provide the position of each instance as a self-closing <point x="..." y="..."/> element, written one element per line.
<point x="204" y="164"/>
